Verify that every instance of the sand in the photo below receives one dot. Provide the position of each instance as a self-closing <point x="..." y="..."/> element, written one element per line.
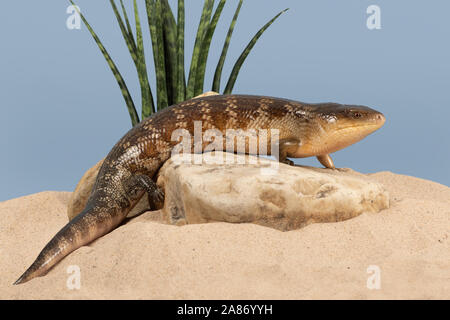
<point x="146" y="259"/>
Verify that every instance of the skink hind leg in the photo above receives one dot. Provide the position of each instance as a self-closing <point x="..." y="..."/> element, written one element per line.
<point x="326" y="161"/>
<point x="143" y="182"/>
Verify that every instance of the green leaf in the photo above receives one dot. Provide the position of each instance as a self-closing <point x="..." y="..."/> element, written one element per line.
<point x="154" y="12"/>
<point x="203" y="58"/>
<point x="245" y="53"/>
<point x="126" y="36"/>
<point x="146" y="93"/>
<point x="126" y="94"/>
<point x="204" y="22"/>
<point x="220" y="64"/>
<point x="130" y="31"/>
<point x="137" y="54"/>
<point x="170" y="50"/>
<point x="181" y="78"/>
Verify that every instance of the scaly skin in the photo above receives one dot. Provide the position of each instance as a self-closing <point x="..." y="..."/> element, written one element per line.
<point x="128" y="171"/>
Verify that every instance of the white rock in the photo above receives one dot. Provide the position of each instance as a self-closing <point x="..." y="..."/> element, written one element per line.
<point x="290" y="198"/>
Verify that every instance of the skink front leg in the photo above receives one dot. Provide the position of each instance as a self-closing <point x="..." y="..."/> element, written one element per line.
<point x="286" y="147"/>
<point x="326" y="161"/>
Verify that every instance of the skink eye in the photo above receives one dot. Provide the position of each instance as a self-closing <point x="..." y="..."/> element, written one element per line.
<point x="357" y="115"/>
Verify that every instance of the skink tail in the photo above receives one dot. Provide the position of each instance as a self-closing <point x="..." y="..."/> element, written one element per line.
<point x="86" y="227"/>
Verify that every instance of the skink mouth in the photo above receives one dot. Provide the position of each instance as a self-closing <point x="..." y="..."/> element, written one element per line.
<point x="369" y="126"/>
<point x="353" y="131"/>
<point x="373" y="122"/>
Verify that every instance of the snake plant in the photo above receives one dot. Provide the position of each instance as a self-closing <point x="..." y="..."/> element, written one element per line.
<point x="167" y="40"/>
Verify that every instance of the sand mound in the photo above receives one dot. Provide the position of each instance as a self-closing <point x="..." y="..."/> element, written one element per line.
<point x="145" y="258"/>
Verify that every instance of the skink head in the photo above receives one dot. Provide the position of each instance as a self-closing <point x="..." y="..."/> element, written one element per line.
<point x="339" y="126"/>
<point x="344" y="125"/>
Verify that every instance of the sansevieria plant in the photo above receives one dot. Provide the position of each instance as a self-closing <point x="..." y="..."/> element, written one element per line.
<point x="167" y="40"/>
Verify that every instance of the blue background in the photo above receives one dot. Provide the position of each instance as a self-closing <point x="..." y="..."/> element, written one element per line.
<point x="62" y="111"/>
